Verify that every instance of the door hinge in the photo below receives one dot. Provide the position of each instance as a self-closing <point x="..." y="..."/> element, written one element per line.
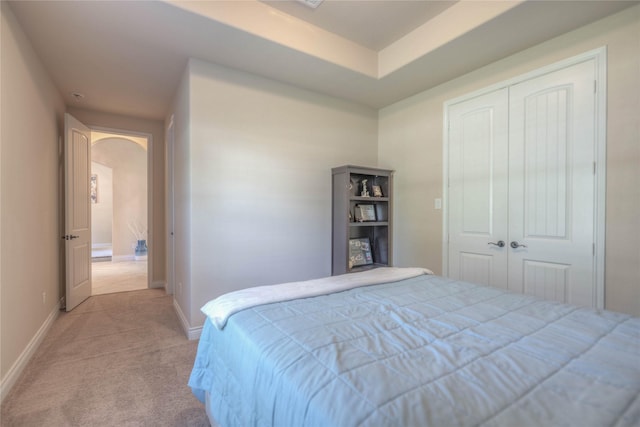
<point x="595" y="86"/>
<point x="594" y="168"/>
<point x="593" y="246"/>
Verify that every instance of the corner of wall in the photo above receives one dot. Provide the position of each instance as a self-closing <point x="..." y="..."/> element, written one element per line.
<point x="191" y="332"/>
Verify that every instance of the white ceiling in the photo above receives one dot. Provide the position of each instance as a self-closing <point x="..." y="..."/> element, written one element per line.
<point x="127" y="57"/>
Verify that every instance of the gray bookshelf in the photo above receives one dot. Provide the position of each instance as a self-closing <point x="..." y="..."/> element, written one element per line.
<point x="361" y="218"/>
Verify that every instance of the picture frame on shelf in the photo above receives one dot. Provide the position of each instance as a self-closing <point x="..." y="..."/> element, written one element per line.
<point x="377" y="191"/>
<point x="365" y="213"/>
<point x="360" y="252"/>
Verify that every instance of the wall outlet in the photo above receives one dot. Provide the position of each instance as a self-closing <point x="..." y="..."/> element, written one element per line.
<point x="44" y="298"/>
<point x="180" y="287"/>
<point x="437" y="203"/>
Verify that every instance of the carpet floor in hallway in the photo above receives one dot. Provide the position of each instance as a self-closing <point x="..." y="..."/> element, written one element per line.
<point x="108" y="277"/>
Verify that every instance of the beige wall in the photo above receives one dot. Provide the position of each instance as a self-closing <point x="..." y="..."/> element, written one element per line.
<point x="102" y="211"/>
<point x="258" y="167"/>
<point x="31" y="121"/>
<point x="410" y="141"/>
<point x="155" y="128"/>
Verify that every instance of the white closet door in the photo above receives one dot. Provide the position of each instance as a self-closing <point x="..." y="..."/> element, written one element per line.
<point x="552" y="185"/>
<point x="478" y="159"/>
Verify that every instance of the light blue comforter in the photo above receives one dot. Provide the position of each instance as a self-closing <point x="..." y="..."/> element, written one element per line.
<point x="420" y="352"/>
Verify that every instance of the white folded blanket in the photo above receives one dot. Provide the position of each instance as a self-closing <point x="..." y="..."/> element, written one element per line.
<point x="219" y="309"/>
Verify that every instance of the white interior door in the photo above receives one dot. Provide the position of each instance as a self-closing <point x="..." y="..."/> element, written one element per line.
<point x="77" y="236"/>
<point x="522" y="172"/>
<point x="478" y="160"/>
<point x="552" y="185"/>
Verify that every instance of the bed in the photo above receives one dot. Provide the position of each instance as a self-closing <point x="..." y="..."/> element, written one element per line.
<point x="401" y="347"/>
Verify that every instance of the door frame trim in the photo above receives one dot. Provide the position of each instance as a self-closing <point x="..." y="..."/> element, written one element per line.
<point x="170" y="207"/>
<point x="599" y="56"/>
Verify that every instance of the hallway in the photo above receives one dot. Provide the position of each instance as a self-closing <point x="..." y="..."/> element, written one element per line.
<point x="109" y="277"/>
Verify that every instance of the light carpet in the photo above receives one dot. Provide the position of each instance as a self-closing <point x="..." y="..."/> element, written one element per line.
<point x="108" y="277"/>
<point x="115" y="360"/>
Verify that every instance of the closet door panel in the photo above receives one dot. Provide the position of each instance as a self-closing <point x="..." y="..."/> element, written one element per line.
<point x="478" y="189"/>
<point x="546" y="162"/>
<point x="552" y="185"/>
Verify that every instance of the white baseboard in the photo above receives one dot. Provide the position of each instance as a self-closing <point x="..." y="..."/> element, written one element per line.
<point x="158" y="284"/>
<point x="16" y="370"/>
<point x="120" y="258"/>
<point x="192" y="333"/>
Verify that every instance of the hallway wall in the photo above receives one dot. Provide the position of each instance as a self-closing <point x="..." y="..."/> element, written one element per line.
<point x="102" y="210"/>
<point x="30" y="123"/>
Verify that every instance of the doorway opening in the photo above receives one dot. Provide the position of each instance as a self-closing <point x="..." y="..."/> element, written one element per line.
<point x="119" y="212"/>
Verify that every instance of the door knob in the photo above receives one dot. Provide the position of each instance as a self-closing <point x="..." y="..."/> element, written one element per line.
<point x="500" y="243"/>
<point x="516" y="245"/>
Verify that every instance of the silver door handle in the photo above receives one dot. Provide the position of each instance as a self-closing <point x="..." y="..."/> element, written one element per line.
<point x="500" y="243"/>
<point x="516" y="245"/>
